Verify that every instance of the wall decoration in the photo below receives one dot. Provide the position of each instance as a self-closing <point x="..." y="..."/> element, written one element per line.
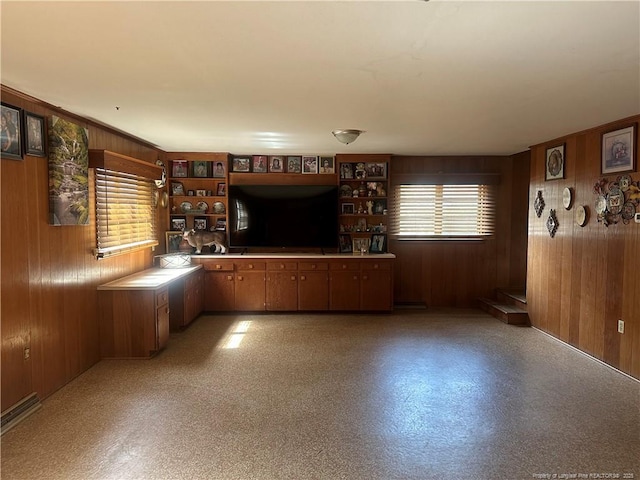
<point x="179" y="169"/>
<point x="581" y="215"/>
<point x="241" y="164"/>
<point x="375" y="170"/>
<point x="567" y="198"/>
<point x="259" y="164"/>
<point x="173" y="241"/>
<point x="555" y="163"/>
<point x="309" y="164"/>
<point x="619" y="150"/>
<point x="345" y="244"/>
<point x="10" y="133"/>
<point x="538" y="204"/>
<point x="378" y="244"/>
<point x="68" y="173"/>
<point x="34" y="134"/>
<point x="276" y="164"/>
<point x="552" y="223"/>
<point x="294" y="164"/>
<point x="361" y="245"/>
<point x="327" y="165"/>
<point x="617" y="200"/>
<point x="200" y="169"/>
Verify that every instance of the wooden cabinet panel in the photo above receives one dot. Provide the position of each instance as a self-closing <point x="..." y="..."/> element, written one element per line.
<point x="185" y="300"/>
<point x="344" y="291"/>
<point x="376" y="290"/>
<point x="313" y="290"/>
<point x="219" y="291"/>
<point x="162" y="330"/>
<point x="250" y="291"/>
<point x="282" y="291"/>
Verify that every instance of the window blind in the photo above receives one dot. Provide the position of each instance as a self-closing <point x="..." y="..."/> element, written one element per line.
<point x="125" y="212"/>
<point x="440" y="211"/>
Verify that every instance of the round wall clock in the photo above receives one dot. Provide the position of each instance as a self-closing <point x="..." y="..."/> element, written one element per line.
<point x="581" y="216"/>
<point x="567" y="198"/>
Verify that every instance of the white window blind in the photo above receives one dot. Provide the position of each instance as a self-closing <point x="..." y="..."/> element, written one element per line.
<point x="125" y="212"/>
<point x="428" y="211"/>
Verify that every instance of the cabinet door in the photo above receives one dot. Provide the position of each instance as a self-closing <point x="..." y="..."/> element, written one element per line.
<point x="376" y="291"/>
<point x="219" y="291"/>
<point x="313" y="291"/>
<point x="250" y="291"/>
<point x="199" y="293"/>
<point x="162" y="327"/>
<point x="344" y="290"/>
<point x="282" y="291"/>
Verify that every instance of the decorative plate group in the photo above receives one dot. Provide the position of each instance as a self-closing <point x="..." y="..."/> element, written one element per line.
<point x="617" y="200"/>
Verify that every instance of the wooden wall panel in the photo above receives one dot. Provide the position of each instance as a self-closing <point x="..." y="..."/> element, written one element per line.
<point x="586" y="278"/>
<point x="457" y="273"/>
<point x="49" y="275"/>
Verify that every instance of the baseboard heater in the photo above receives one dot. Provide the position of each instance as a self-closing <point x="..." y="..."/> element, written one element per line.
<point x="21" y="410"/>
<point x="410" y="306"/>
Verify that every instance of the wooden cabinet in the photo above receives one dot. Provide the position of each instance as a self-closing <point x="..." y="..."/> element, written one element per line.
<point x="186" y="300"/>
<point x="219" y="286"/>
<point x="282" y="286"/>
<point x="313" y="286"/>
<point x="250" y="286"/>
<point x="376" y="286"/>
<point x="344" y="285"/>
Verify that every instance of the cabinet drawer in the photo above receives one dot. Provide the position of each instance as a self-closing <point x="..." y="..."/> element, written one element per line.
<point x="218" y="266"/>
<point x="282" y="266"/>
<point x="313" y="266"/>
<point x="162" y="297"/>
<point x="251" y="266"/>
<point x="376" y="266"/>
<point x="345" y="266"/>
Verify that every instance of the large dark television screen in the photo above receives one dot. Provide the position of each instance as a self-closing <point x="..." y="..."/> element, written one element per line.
<point x="283" y="216"/>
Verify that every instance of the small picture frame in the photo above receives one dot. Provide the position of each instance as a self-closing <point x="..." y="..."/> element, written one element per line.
<point x="348" y="209"/>
<point x="327" y="165"/>
<point x="378" y="244"/>
<point x="201" y="193"/>
<point x="346" y="171"/>
<point x="345" y="244"/>
<point x="276" y="164"/>
<point x="240" y="164"/>
<point x="34" y="134"/>
<point x="619" y="150"/>
<point x="219" y="170"/>
<point x="179" y="169"/>
<point x="173" y="240"/>
<point x="178" y="224"/>
<point x="376" y="170"/>
<point x="361" y="244"/>
<point x="221" y="225"/>
<point x="191" y="193"/>
<point x="554" y="164"/>
<point x="260" y="163"/>
<point x="11" y="133"/>
<point x="294" y="164"/>
<point x="177" y="188"/>
<point x="222" y="189"/>
<point x="200" y="223"/>
<point x="200" y="169"/>
<point x="309" y="164"/>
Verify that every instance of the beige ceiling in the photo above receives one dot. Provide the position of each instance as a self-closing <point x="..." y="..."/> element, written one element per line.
<point x="426" y="78"/>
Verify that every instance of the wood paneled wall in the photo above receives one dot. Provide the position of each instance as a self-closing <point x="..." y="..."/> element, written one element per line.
<point x="586" y="278"/>
<point x="49" y="275"/>
<point x="457" y="273"/>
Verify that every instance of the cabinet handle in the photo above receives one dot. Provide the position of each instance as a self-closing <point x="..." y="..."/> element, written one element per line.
<point x="250" y="266"/>
<point x="375" y="266"/>
<point x="240" y="277"/>
<point x="313" y="267"/>
<point x="344" y="267"/>
<point x="355" y="277"/>
<point x="365" y="277"/>
<point x="302" y="277"/>
<point x="293" y="277"/>
<point x="281" y="266"/>
<point x="167" y="311"/>
<point x="229" y="277"/>
<point x="218" y="267"/>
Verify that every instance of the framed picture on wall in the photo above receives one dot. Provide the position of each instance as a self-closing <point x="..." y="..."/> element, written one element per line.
<point x="178" y="224"/>
<point x="554" y="164"/>
<point x="11" y="134"/>
<point x="200" y="169"/>
<point x="173" y="241"/>
<point x="294" y="164"/>
<point x="327" y="165"/>
<point x="241" y="164"/>
<point x="260" y="164"/>
<point x="34" y="128"/>
<point x="276" y="164"/>
<point x="619" y="150"/>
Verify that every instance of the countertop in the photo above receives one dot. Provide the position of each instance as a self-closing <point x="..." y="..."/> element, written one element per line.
<point x="150" y="279"/>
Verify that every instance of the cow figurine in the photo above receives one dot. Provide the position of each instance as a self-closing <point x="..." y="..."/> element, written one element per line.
<point x="202" y="238"/>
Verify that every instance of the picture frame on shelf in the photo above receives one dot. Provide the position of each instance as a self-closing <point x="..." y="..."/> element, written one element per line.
<point x="191" y="193"/>
<point x="260" y="163"/>
<point x="276" y="164"/>
<point x="199" y="169"/>
<point x="177" y="188"/>
<point x="378" y="244"/>
<point x="34" y="134"/>
<point x="346" y="245"/>
<point x="375" y="170"/>
<point x="201" y="193"/>
<point x="221" y="225"/>
<point x="219" y="170"/>
<point x="200" y="223"/>
<point x="346" y="171"/>
<point x="554" y="163"/>
<point x="348" y="208"/>
<point x="179" y="224"/>
<point x="179" y="169"/>
<point x="362" y="225"/>
<point x="327" y="165"/>
<point x="619" y="150"/>
<point x="309" y="164"/>
<point x="241" y="164"/>
<point x="11" y="134"/>
<point x="361" y="245"/>
<point x="173" y="240"/>
<point x="294" y="164"/>
<point x="221" y="191"/>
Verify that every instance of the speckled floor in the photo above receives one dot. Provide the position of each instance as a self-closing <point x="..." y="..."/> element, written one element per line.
<point x="413" y="395"/>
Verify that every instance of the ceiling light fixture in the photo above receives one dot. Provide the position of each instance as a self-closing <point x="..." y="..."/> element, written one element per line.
<point x="347" y="136"/>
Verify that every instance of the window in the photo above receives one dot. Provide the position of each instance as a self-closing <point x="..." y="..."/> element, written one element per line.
<point x="441" y="211"/>
<point x="125" y="212"/>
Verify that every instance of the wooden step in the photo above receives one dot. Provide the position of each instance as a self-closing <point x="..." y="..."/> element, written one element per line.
<point x="516" y="298"/>
<point x="507" y="313"/>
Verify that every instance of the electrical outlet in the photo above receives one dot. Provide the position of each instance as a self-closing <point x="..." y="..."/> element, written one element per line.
<point x="27" y="353"/>
<point x="637" y="217"/>
<point x="620" y="326"/>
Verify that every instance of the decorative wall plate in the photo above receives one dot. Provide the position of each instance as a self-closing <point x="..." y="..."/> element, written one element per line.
<point x="615" y="200"/>
<point x="601" y="205"/>
<point x="218" y="207"/>
<point x="186" y="207"/>
<point x="581" y="216"/>
<point x="552" y="223"/>
<point x="538" y="204"/>
<point x="628" y="211"/>
<point x="202" y="206"/>
<point x="567" y="198"/>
